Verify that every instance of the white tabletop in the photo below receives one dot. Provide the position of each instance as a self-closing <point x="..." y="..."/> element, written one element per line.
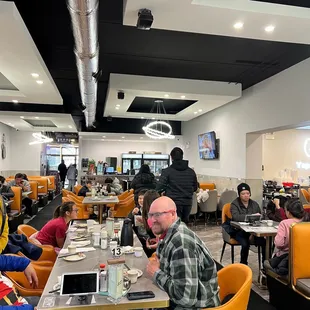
<point x="101" y="200"/>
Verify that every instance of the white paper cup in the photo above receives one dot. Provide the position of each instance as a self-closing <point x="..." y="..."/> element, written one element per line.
<point x="138" y="251"/>
<point x="113" y="244"/>
<point x="132" y="275"/>
<point x="90" y="223"/>
<point x="71" y="249"/>
<point x="269" y="223"/>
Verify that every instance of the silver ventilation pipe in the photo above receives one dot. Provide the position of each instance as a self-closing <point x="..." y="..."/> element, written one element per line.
<point x="84" y="17"/>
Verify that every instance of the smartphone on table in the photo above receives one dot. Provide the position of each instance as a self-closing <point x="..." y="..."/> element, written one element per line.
<point x="140" y="295"/>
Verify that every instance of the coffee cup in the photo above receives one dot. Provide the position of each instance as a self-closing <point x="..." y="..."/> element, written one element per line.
<point x="113" y="244"/>
<point x="132" y="275"/>
<point x="138" y="251"/>
<point x="269" y="223"/>
<point x="71" y="249"/>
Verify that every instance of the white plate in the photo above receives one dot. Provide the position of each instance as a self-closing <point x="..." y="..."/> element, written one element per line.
<point x="80" y="230"/>
<point x="128" y="249"/>
<point x="140" y="272"/>
<point x="81" y="225"/>
<point x="75" y="258"/>
<point x="56" y="286"/>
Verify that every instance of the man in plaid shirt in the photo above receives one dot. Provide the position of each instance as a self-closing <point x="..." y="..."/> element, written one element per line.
<point x="183" y="267"/>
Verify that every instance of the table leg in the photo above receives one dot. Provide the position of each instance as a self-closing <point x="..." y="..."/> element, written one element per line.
<point x="100" y="213"/>
<point x="268" y="250"/>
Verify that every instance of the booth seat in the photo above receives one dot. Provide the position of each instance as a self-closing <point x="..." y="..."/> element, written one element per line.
<point x="51" y="184"/>
<point x="288" y="291"/>
<point x="125" y="194"/>
<point x="48" y="253"/>
<point x="83" y="208"/>
<point x="125" y="206"/>
<point x="77" y="188"/>
<point x="34" y="196"/>
<point x="66" y="193"/>
<point x="16" y="216"/>
<point x="21" y="283"/>
<point x="209" y="186"/>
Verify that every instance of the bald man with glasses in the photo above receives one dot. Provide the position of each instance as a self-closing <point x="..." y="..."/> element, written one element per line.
<point x="184" y="267"/>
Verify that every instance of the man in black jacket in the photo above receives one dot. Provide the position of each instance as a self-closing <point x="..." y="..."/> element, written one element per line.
<point x="240" y="207"/>
<point x="85" y="189"/>
<point x="179" y="182"/>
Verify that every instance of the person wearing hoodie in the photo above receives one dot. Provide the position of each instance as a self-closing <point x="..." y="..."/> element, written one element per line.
<point x="114" y="186"/>
<point x="179" y="182"/>
<point x="143" y="180"/>
<point x="72" y="174"/>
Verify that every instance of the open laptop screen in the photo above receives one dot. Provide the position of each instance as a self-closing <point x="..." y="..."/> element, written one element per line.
<point x="82" y="283"/>
<point x="251" y="218"/>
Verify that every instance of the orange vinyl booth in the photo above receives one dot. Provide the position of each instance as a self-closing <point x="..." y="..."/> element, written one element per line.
<point x="77" y="188"/>
<point x="125" y="206"/>
<point x="209" y="186"/>
<point x="239" y="287"/>
<point x="43" y="270"/>
<point x="83" y="208"/>
<point x="48" y="253"/>
<point x="125" y="194"/>
<point x="16" y="216"/>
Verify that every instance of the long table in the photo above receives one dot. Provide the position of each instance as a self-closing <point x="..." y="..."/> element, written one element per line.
<point x="91" y="263"/>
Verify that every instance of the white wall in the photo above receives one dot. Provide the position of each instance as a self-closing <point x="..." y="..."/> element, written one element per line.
<point x="284" y="151"/>
<point x="5" y="163"/>
<point x="280" y="101"/>
<point x="99" y="150"/>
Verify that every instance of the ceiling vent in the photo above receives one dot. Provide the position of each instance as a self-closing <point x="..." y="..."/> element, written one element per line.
<point x="40" y="123"/>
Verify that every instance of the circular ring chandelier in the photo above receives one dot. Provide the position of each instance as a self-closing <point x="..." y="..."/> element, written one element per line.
<point x="158" y="134"/>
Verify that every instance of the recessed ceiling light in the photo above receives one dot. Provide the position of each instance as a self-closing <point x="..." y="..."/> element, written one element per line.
<point x="22" y="117"/>
<point x="195" y="112"/>
<point x="119" y="140"/>
<point x="118" y="105"/>
<point x="142" y="117"/>
<point x="35" y="75"/>
<point x="39" y="82"/>
<point x="15" y="101"/>
<point x="117" y="108"/>
<point x="270" y="28"/>
<point x="166" y="95"/>
<point x="183" y="97"/>
<point x="103" y="136"/>
<point x="141" y="137"/>
<point x="238" y="25"/>
<point x="123" y="137"/>
<point x="199" y="110"/>
<point x="153" y="117"/>
<point x="37" y="117"/>
<point x="102" y="139"/>
<point x="69" y="126"/>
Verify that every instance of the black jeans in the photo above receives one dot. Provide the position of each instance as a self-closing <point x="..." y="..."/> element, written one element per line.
<point x="184" y="212"/>
<point x="27" y="202"/>
<point x="244" y="239"/>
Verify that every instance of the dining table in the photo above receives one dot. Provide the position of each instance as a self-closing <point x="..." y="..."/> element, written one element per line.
<point x="95" y="256"/>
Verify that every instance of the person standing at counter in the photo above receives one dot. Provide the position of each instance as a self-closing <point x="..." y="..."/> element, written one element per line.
<point x="179" y="182"/>
<point x="62" y="170"/>
<point x="145" y="179"/>
<point x="72" y="176"/>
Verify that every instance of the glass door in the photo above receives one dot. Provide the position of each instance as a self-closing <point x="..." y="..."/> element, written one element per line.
<point x="126" y="165"/>
<point x="136" y="165"/>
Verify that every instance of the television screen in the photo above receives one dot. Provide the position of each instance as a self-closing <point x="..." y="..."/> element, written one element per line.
<point x="110" y="170"/>
<point x="207" y="146"/>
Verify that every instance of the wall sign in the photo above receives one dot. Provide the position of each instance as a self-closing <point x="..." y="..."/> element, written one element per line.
<point x="300" y="164"/>
<point x="307" y="147"/>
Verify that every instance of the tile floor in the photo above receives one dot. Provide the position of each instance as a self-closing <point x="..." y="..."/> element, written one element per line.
<point x="211" y="234"/>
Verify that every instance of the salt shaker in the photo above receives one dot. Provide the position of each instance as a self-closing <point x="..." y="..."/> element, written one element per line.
<point x="96" y="239"/>
<point x="104" y="239"/>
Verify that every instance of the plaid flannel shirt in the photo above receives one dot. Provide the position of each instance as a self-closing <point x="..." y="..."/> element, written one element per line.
<point x="187" y="271"/>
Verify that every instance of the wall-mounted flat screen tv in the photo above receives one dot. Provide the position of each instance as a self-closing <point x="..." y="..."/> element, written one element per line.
<point x="207" y="145"/>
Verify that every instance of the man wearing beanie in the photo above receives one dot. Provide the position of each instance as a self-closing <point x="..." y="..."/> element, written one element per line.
<point x="179" y="182"/>
<point x="240" y="207"/>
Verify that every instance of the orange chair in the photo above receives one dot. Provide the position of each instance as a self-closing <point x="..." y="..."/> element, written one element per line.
<point x="209" y="186"/>
<point x="305" y="194"/>
<point x="125" y="206"/>
<point x="43" y="270"/>
<point x="48" y="253"/>
<point x="83" y="208"/>
<point x="235" y="279"/>
<point x="125" y="194"/>
<point x="34" y="188"/>
<point x="16" y="216"/>
<point x="66" y="193"/>
<point x="77" y="188"/>
<point x="226" y="214"/>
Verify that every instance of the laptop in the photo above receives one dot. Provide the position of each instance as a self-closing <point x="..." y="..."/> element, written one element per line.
<point x="80" y="283"/>
<point x="251" y="218"/>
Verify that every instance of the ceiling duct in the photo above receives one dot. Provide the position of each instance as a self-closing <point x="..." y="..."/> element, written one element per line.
<point x="84" y="17"/>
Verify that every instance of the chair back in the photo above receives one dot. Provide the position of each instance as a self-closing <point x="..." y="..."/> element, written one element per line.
<point x="34" y="189"/>
<point x="209" y="186"/>
<point x="17" y="199"/>
<point x="65" y="192"/>
<point x="26" y="230"/>
<point x="235" y="279"/>
<point x="304" y="194"/>
<point x="227" y="197"/>
<point x="194" y="209"/>
<point x="299" y="251"/>
<point x="125" y="194"/>
<point x="77" y="188"/>
<point x="226" y="214"/>
<point x="123" y="208"/>
<point x="210" y="205"/>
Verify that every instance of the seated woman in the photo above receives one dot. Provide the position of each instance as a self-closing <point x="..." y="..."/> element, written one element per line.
<point x="54" y="231"/>
<point x="295" y="213"/>
<point x="275" y="209"/>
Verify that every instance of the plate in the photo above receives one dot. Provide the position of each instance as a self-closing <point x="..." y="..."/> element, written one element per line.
<point x="80" y="230"/>
<point x="56" y="286"/>
<point x="81" y="225"/>
<point x="128" y="249"/>
<point x="75" y="258"/>
<point x="140" y="272"/>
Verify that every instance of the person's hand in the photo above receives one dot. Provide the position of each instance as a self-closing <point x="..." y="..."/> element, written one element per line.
<point x="139" y="219"/>
<point x="151" y="243"/>
<point x="153" y="266"/>
<point x="31" y="276"/>
<point x="276" y="201"/>
<point x="256" y="213"/>
<point x="135" y="211"/>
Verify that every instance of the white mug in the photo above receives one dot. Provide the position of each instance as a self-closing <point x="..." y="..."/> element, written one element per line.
<point x="71" y="249"/>
<point x="132" y="275"/>
<point x="113" y="244"/>
<point x="138" y="251"/>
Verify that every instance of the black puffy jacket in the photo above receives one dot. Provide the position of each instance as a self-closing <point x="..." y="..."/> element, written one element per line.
<point x="179" y="182"/>
<point x="143" y="181"/>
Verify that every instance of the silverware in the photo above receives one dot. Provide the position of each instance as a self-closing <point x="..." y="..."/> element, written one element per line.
<point x="66" y="255"/>
<point x="126" y="266"/>
<point x="54" y="291"/>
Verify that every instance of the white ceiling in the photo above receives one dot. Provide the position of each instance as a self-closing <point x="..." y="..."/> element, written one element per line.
<point x="210" y="95"/>
<point x="19" y="57"/>
<point x="64" y="122"/>
<point x="217" y="17"/>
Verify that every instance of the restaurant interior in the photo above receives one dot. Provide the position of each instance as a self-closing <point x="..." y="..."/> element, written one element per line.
<point x="227" y="82"/>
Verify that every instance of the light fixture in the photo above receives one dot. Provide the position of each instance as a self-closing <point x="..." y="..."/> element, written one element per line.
<point x="39" y="82"/>
<point x="238" y="25"/>
<point x="142" y="117"/>
<point x="166" y="95"/>
<point x="141" y="137"/>
<point x="37" y="117"/>
<point x="119" y="140"/>
<point x="195" y="112"/>
<point x="200" y="110"/>
<point x="158" y="129"/>
<point x="103" y="136"/>
<point x="70" y="126"/>
<point x="102" y="139"/>
<point x="35" y="75"/>
<point x="183" y="97"/>
<point x="118" y="105"/>
<point x="22" y="117"/>
<point x="40" y="138"/>
<point x="269" y="28"/>
<point x="123" y="137"/>
<point x="117" y="108"/>
<point x="15" y="101"/>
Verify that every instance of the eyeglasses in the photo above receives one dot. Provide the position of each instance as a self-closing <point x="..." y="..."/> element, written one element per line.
<point x="75" y="210"/>
<point x="158" y="214"/>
